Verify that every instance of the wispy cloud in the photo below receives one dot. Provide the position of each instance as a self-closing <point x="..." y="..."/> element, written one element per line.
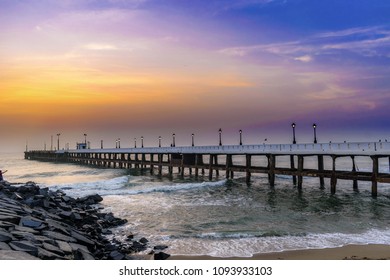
<point x="365" y="41"/>
<point x="100" y="47"/>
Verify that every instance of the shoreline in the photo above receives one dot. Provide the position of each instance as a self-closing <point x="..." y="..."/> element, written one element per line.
<point x="347" y="252"/>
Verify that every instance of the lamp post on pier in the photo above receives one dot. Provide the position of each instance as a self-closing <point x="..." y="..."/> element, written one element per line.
<point x="159" y="141"/>
<point x="142" y="141"/>
<point x="293" y="127"/>
<point x="240" y="137"/>
<point x="220" y="136"/>
<point x="135" y="142"/>
<point x="58" y="141"/>
<point x="85" y="139"/>
<point x="173" y="140"/>
<point x="192" y="140"/>
<point x="315" y="133"/>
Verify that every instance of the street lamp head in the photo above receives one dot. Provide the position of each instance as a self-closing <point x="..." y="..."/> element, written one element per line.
<point x="293" y="125"/>
<point x="220" y="130"/>
<point x="314" y="125"/>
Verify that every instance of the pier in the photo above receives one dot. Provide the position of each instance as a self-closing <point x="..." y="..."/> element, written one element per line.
<point x="226" y="160"/>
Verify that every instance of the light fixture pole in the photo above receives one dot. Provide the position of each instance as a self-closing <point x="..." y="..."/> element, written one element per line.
<point x="293" y="127"/>
<point x="315" y="133"/>
<point x="240" y="137"/>
<point x="142" y="141"/>
<point x="192" y="140"/>
<point x="173" y="140"/>
<point x="85" y="139"/>
<point x="58" y="141"/>
<point x="220" y="136"/>
<point x="135" y="142"/>
<point x="159" y="141"/>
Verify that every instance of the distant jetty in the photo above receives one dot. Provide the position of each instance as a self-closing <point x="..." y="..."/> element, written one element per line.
<point x="38" y="223"/>
<point x="214" y="159"/>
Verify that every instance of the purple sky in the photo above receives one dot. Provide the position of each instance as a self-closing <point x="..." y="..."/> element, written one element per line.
<point x="126" y="69"/>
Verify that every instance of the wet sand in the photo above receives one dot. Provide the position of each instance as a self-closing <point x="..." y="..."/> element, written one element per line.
<point x="358" y="252"/>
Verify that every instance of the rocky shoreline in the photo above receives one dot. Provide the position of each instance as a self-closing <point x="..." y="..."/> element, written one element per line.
<point x="38" y="223"/>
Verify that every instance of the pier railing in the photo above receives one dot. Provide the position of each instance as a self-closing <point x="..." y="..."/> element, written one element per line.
<point x="354" y="148"/>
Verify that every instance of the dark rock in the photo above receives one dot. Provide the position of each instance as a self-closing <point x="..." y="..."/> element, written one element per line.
<point x="137" y="246"/>
<point x="26" y="229"/>
<point x="160" y="247"/>
<point x="52" y="248"/>
<point x="91" y="199"/>
<point x="58" y="236"/>
<point x="48" y="255"/>
<point x="85" y="255"/>
<point x="161" y="256"/>
<point x="66" y="214"/>
<point x="6" y="225"/>
<point x="4" y="246"/>
<point x="5" y="236"/>
<point x="30" y="222"/>
<point x="82" y="239"/>
<point x="115" y="255"/>
<point x="16" y="255"/>
<point x="130" y="237"/>
<point x="24" y="246"/>
<point x="143" y="240"/>
<point x="64" y="246"/>
<point x="57" y="226"/>
<point x="8" y="218"/>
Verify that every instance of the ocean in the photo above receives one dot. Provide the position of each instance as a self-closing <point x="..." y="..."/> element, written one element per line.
<point x="223" y="218"/>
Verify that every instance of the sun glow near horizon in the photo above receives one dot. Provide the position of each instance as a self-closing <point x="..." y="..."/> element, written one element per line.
<point x="104" y="66"/>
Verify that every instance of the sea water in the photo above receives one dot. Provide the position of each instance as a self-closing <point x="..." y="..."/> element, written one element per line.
<point x="224" y="218"/>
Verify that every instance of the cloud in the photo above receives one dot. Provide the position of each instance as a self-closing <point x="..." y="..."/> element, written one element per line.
<point x="100" y="47"/>
<point x="365" y="41"/>
<point x="304" y="58"/>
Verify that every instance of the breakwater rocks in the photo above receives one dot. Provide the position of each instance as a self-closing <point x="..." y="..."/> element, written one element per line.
<point x="37" y="223"/>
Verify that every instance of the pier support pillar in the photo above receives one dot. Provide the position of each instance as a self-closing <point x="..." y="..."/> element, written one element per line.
<point x="181" y="168"/>
<point x="355" y="182"/>
<point x="271" y="170"/>
<point x="321" y="169"/>
<point x="211" y="167"/>
<point x="160" y="158"/>
<point x="375" y="171"/>
<point x="151" y="163"/>
<point x="216" y="163"/>
<point x="300" y="170"/>
<point x="248" y="166"/>
<point x="333" y="179"/>
<point x="292" y="165"/>
<point x="228" y="164"/>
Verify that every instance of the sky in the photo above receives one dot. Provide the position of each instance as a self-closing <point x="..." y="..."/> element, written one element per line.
<point x="129" y="68"/>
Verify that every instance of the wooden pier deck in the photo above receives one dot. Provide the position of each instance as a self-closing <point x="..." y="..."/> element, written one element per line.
<point x="218" y="159"/>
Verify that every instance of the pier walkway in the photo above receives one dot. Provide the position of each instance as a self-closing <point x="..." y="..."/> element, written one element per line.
<point x="239" y="158"/>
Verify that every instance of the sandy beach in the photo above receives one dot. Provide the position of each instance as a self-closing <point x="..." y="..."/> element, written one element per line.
<point x="358" y="252"/>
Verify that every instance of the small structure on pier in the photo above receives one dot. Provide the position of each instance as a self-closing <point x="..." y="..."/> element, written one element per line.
<point x="81" y="146"/>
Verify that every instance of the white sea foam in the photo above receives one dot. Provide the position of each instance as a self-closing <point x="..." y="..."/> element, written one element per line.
<point x="247" y="245"/>
<point x="127" y="185"/>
